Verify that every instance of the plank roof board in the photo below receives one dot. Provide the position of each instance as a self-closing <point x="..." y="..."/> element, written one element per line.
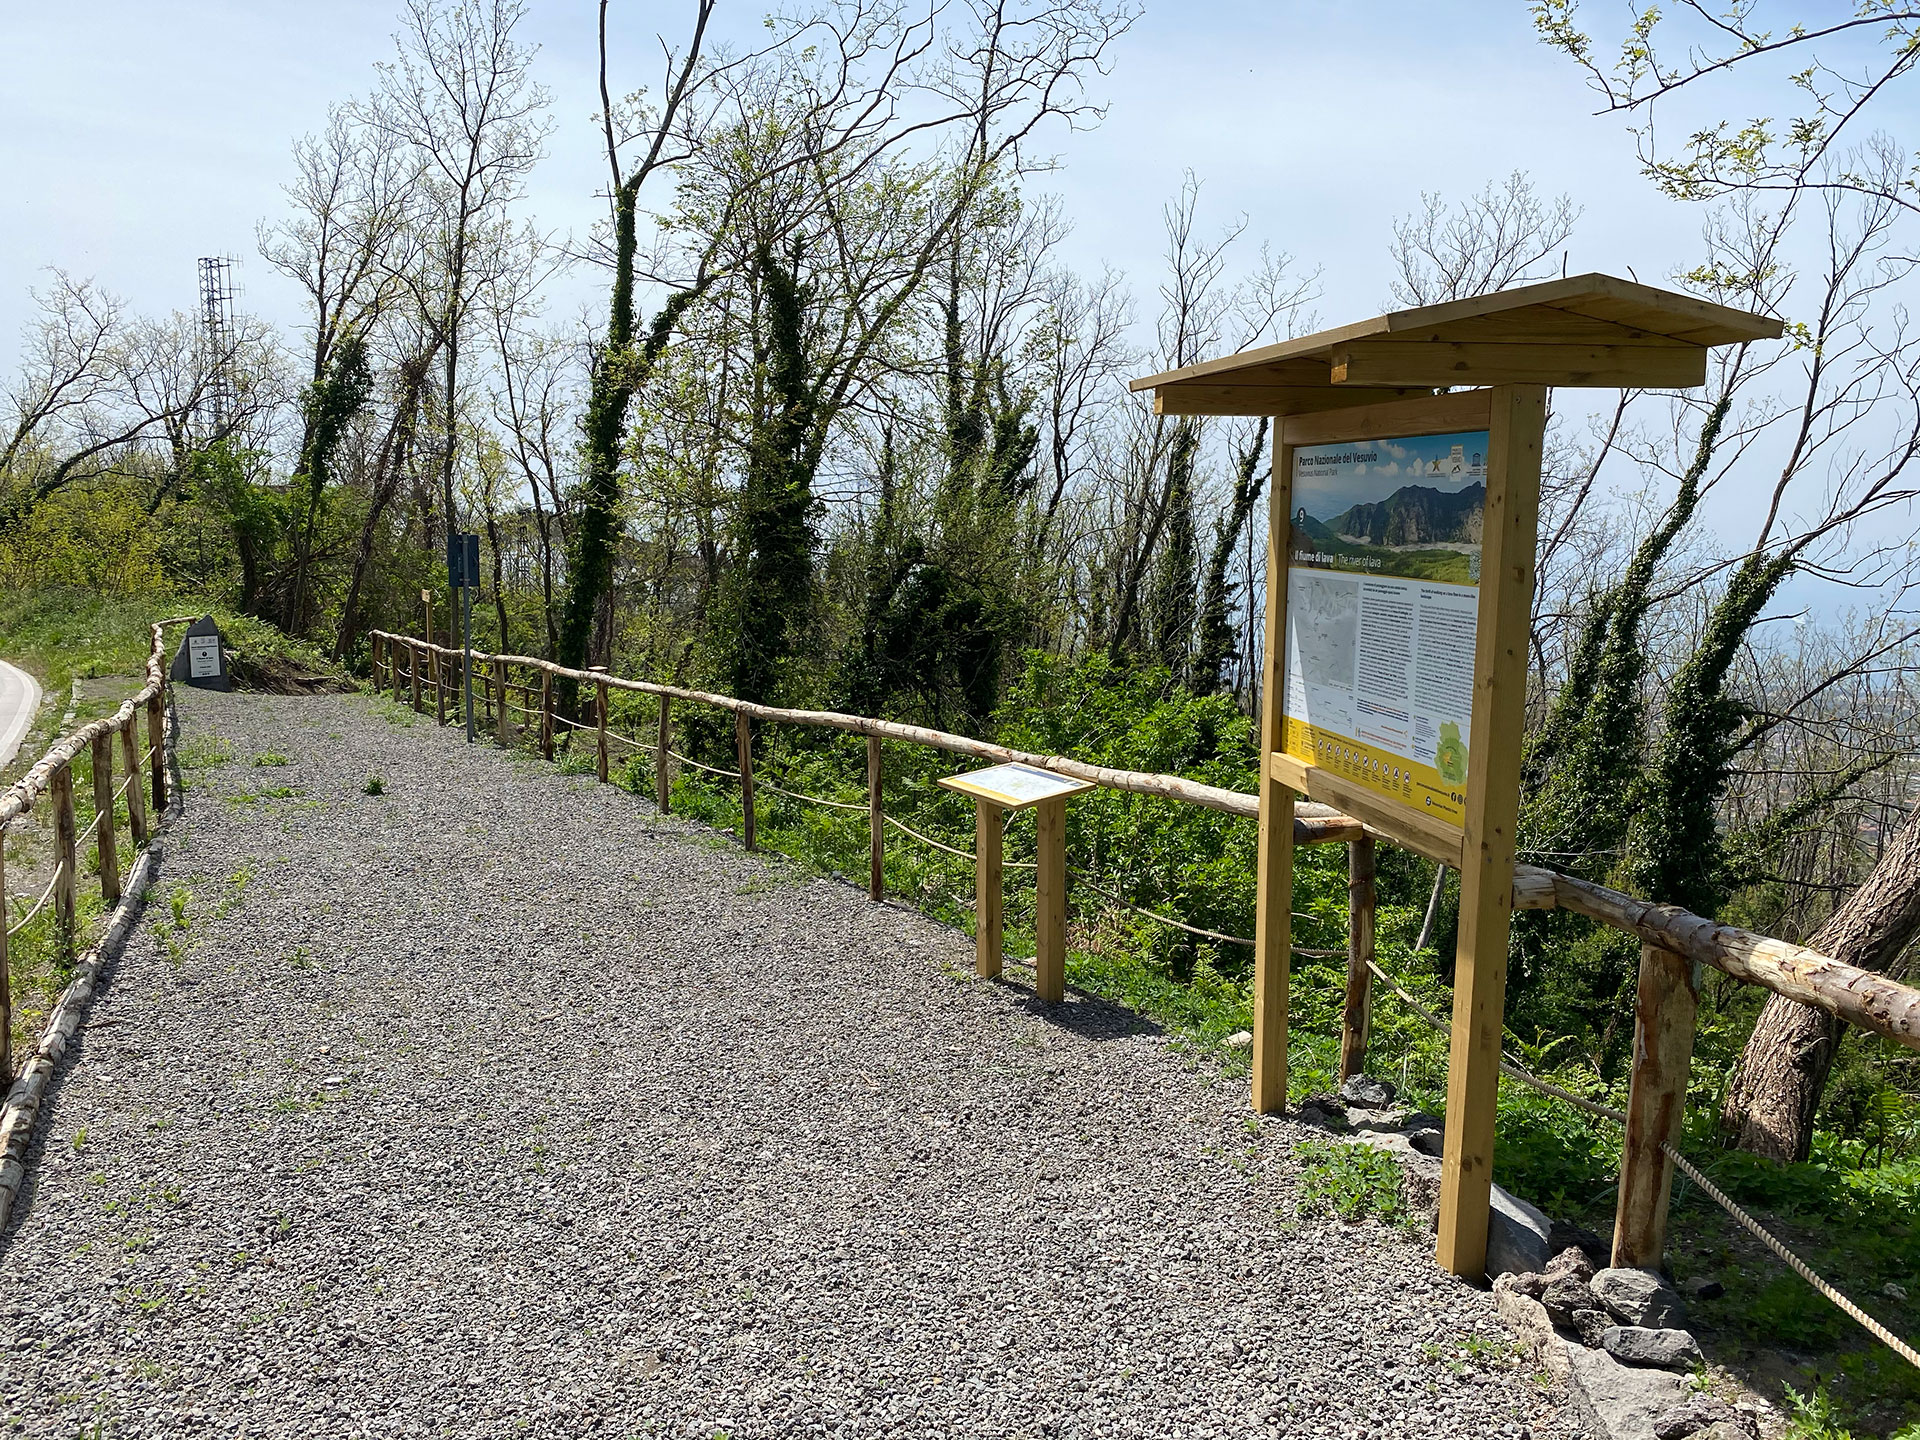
<point x="1586" y="330"/>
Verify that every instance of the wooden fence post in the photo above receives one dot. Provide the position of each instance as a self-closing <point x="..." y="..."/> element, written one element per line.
<point x="103" y="833"/>
<point x="373" y="666"/>
<point x="65" y="856"/>
<point x="1663" y="1021"/>
<point x="743" y="747"/>
<point x="136" y="794"/>
<point x="600" y="724"/>
<point x="393" y="670"/>
<point x="156" y="747"/>
<point x="876" y="825"/>
<point x="502" y="725"/>
<point x="438" y="673"/>
<point x="988" y="914"/>
<point x="546" y="714"/>
<point x="413" y="676"/>
<point x="1050" y="901"/>
<point x="663" y="744"/>
<point x="1355" y="1015"/>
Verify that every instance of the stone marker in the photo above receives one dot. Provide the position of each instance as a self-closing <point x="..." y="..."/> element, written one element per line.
<point x="201" y="659"/>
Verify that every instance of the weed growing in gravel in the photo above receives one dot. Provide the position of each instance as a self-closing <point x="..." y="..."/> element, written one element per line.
<point x="270" y="757"/>
<point x="203" y="752"/>
<point x="575" y="763"/>
<point x="301" y="958"/>
<point x="1351" y="1181"/>
<point x="374" y="786"/>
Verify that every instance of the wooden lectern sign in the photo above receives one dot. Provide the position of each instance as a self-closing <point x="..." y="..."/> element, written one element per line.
<point x="1001" y="788"/>
<point x="1400" y="572"/>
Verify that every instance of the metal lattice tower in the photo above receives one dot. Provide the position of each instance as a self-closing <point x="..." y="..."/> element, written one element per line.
<point x="216" y="320"/>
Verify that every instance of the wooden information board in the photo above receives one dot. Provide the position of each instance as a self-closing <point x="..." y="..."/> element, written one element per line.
<point x="1394" y="681"/>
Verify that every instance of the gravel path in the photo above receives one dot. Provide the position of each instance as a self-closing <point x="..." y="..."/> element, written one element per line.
<point x="499" y="1105"/>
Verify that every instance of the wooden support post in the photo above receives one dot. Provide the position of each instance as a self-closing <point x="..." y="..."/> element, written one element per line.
<point x="66" y="839"/>
<point x="6" y="979"/>
<point x="876" y="825"/>
<point x="157" y="750"/>
<point x="1273" y="883"/>
<point x="1663" y="1024"/>
<point x="1493" y="797"/>
<point x="743" y="748"/>
<point x="502" y="724"/>
<point x="662" y="743"/>
<point x="600" y="724"/>
<point x="546" y="714"/>
<point x="373" y="666"/>
<point x="438" y="673"/>
<point x="413" y="676"/>
<point x="1356" y="1013"/>
<point x="393" y="671"/>
<point x="106" y="841"/>
<point x="1050" y="901"/>
<point x="136" y="793"/>
<point x="987" y="918"/>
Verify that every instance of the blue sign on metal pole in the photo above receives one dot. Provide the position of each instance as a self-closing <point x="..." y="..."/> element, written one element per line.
<point x="472" y="566"/>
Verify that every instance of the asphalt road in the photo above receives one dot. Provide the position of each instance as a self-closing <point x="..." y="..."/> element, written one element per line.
<point x="19" y="702"/>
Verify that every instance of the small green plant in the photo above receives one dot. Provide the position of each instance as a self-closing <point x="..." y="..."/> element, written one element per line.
<point x="374" y="786"/>
<point x="271" y="757"/>
<point x="1815" y="1416"/>
<point x="1354" y="1182"/>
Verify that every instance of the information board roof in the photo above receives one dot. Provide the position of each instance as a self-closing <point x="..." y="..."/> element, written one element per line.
<point x="1588" y="330"/>
<point x="1015" y="787"/>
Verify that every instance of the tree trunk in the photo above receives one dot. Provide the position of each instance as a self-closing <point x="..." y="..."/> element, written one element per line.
<point x="1776" y="1088"/>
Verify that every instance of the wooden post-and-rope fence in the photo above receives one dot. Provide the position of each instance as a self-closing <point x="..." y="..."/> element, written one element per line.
<point x="1675" y="943"/>
<point x="143" y="776"/>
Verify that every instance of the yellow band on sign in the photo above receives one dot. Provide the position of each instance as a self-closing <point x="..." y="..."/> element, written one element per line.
<point x="1389" y="775"/>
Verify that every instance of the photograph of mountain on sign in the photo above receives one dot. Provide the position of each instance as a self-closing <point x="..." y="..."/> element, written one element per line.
<point x="1408" y="507"/>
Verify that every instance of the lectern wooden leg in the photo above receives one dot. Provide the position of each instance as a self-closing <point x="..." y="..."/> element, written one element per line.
<point x="986" y="889"/>
<point x="1050" y="901"/>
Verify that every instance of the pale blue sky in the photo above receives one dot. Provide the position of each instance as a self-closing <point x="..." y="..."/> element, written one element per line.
<point x="137" y="136"/>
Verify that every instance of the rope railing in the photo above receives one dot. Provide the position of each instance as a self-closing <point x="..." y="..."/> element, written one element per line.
<point x="36" y="908"/>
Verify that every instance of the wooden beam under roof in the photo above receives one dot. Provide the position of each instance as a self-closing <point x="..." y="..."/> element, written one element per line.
<point x="1588" y="330"/>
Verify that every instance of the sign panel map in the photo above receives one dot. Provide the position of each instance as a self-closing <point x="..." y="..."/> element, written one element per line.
<point x="1383" y="595"/>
